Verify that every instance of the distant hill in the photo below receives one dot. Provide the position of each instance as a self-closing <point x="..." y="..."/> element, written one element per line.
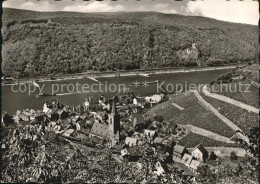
<point x="41" y="43"/>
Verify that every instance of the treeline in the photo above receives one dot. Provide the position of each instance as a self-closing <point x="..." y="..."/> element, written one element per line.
<point x="62" y="45"/>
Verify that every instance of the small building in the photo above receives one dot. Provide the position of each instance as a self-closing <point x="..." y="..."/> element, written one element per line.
<point x="150" y="134"/>
<point x="186" y="171"/>
<point x="52" y="115"/>
<point x="131" y="141"/>
<point x="160" y="168"/>
<point x="132" y="153"/>
<point x="137" y="121"/>
<point x="158" y="140"/>
<point x="63" y="114"/>
<point x="200" y="153"/>
<point x="75" y="119"/>
<point x="68" y="132"/>
<point x="186" y="159"/>
<point x="178" y="152"/>
<point x="153" y="99"/>
<point x="39" y="116"/>
<point x="194" y="165"/>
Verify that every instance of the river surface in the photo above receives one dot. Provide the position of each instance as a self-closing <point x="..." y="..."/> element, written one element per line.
<point x="71" y="92"/>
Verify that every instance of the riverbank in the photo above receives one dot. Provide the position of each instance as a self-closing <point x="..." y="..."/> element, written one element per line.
<point x="121" y="73"/>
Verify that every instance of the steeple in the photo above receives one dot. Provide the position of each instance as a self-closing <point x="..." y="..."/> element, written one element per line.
<point x="114" y="110"/>
<point x="114" y="121"/>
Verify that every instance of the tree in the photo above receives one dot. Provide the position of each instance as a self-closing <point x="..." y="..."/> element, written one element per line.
<point x="233" y="156"/>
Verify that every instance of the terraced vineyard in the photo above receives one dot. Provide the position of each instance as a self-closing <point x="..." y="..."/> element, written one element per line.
<point x="242" y="118"/>
<point x="192" y="140"/>
<point x="247" y="95"/>
<point x="194" y="113"/>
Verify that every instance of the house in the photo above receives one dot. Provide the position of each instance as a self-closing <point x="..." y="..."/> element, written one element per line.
<point x="39" y="116"/>
<point x="75" y="119"/>
<point x="124" y="152"/>
<point x="158" y="140"/>
<point x="169" y="143"/>
<point x="135" y="101"/>
<point x="101" y="116"/>
<point x="66" y="108"/>
<point x="160" y="168"/>
<point x="68" y="132"/>
<point x="63" y="114"/>
<point x="52" y="115"/>
<point x="178" y="152"/>
<point x="186" y="171"/>
<point x="131" y="141"/>
<point x="194" y="165"/>
<point x="153" y="99"/>
<point x="16" y="116"/>
<point x="186" y="159"/>
<point x="24" y="117"/>
<point x="137" y="121"/>
<point x="200" y="153"/>
<point x="86" y="104"/>
<point x="45" y="108"/>
<point x="132" y="153"/>
<point x="53" y="104"/>
<point x="150" y="134"/>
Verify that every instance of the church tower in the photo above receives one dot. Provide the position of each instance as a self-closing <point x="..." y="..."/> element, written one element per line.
<point x="114" y="122"/>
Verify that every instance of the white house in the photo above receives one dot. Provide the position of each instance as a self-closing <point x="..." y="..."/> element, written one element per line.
<point x="153" y="99"/>
<point x="131" y="141"/>
<point x="200" y="153"/>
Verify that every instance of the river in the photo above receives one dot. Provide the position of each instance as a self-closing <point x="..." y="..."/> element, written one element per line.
<point x="12" y="100"/>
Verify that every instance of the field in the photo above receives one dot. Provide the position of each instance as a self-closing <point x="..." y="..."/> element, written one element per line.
<point x="194" y="113"/>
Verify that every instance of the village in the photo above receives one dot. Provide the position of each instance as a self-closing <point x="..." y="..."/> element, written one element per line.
<point x="117" y="124"/>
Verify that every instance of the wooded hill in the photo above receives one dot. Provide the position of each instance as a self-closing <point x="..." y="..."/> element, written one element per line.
<point x="41" y="43"/>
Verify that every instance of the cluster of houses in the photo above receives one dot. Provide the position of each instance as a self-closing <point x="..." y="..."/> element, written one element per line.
<point x="103" y="127"/>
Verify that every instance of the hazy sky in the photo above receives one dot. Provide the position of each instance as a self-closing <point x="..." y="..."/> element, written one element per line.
<point x="234" y="10"/>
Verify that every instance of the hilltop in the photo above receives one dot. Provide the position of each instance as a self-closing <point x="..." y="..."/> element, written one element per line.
<point x="51" y="43"/>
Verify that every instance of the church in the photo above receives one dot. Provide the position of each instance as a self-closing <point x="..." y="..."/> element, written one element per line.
<point x="108" y="130"/>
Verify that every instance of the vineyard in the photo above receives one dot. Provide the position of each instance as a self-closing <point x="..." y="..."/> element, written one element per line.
<point x="241" y="117"/>
<point x="192" y="140"/>
<point x="241" y="90"/>
<point x="194" y="113"/>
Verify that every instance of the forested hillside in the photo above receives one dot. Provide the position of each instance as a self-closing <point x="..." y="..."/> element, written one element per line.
<point x="37" y="43"/>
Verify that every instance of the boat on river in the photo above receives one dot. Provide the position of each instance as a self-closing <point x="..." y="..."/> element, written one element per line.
<point x="45" y="94"/>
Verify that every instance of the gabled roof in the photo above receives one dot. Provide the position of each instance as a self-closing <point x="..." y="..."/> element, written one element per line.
<point x="138" y="116"/>
<point x="178" y="148"/>
<point x="158" y="140"/>
<point x="184" y="168"/>
<point x="97" y="140"/>
<point x="195" y="164"/>
<point x="131" y="140"/>
<point x="186" y="159"/>
<point x="100" y="129"/>
<point x="201" y="148"/>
